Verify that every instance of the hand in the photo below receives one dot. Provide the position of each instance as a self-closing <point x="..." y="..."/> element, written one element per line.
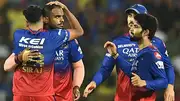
<point x="169" y="94"/>
<point x="26" y="54"/>
<point x="76" y="93"/>
<point x="89" y="88"/>
<point x="136" y="81"/>
<point x="57" y="3"/>
<point x="111" y="48"/>
<point x="30" y="58"/>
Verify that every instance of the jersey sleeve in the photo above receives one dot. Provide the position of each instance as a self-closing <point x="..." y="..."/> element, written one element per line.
<point x="124" y="65"/>
<point x="59" y="36"/>
<point x="167" y="63"/>
<point x="158" y="73"/>
<point x="76" y="52"/>
<point x="106" y="68"/>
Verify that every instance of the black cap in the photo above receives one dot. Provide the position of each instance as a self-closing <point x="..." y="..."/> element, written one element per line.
<point x="33" y="13"/>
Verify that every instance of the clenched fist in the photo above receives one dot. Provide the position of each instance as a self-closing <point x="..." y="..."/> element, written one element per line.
<point x="111" y="48"/>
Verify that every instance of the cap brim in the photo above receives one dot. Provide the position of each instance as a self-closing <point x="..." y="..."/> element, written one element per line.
<point x="132" y="9"/>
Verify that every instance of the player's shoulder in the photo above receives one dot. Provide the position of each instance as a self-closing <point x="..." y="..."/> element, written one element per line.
<point x="154" y="52"/>
<point x="157" y="40"/>
<point x="152" y="48"/>
<point x="158" y="43"/>
<point x="58" y="31"/>
<point x="73" y="43"/>
<point x="54" y="30"/>
<point x="19" y="32"/>
<point x="121" y="38"/>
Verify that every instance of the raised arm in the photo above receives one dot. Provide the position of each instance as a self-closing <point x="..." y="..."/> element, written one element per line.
<point x="120" y="61"/>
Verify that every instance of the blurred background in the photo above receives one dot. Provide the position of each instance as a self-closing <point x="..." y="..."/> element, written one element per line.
<point x="102" y="20"/>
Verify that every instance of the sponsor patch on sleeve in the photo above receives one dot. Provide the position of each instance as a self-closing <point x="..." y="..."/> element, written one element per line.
<point x="160" y="64"/>
<point x="157" y="55"/>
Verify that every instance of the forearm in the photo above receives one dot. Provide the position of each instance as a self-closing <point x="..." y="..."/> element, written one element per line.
<point x="101" y="76"/>
<point x="106" y="69"/>
<point x="74" y="23"/>
<point x="79" y="72"/>
<point x="169" y="69"/>
<point x="10" y="64"/>
<point x="170" y="75"/>
<point x="157" y="84"/>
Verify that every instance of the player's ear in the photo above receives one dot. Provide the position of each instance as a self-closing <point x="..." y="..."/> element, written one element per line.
<point x="146" y="32"/>
<point x="45" y="19"/>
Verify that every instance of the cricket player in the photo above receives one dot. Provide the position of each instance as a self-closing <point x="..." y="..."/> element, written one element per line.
<point x="68" y="57"/>
<point x="128" y="49"/>
<point x="33" y="76"/>
<point x="147" y="70"/>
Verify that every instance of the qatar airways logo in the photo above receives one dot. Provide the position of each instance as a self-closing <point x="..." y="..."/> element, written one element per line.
<point x="59" y="55"/>
<point x="31" y="42"/>
<point x="131" y="52"/>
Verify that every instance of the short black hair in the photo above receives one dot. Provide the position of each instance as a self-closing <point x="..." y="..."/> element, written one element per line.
<point x="149" y="22"/>
<point x="33" y="13"/>
<point x="48" y="8"/>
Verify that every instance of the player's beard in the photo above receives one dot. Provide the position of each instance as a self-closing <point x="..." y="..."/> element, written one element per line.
<point x="134" y="38"/>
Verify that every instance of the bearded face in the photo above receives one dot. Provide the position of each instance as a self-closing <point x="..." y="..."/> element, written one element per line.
<point x="135" y="31"/>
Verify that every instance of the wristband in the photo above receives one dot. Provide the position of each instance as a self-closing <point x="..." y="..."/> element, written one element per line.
<point x="115" y="55"/>
<point x="76" y="87"/>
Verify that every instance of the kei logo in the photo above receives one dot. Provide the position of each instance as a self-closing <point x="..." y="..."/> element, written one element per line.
<point x="32" y="41"/>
